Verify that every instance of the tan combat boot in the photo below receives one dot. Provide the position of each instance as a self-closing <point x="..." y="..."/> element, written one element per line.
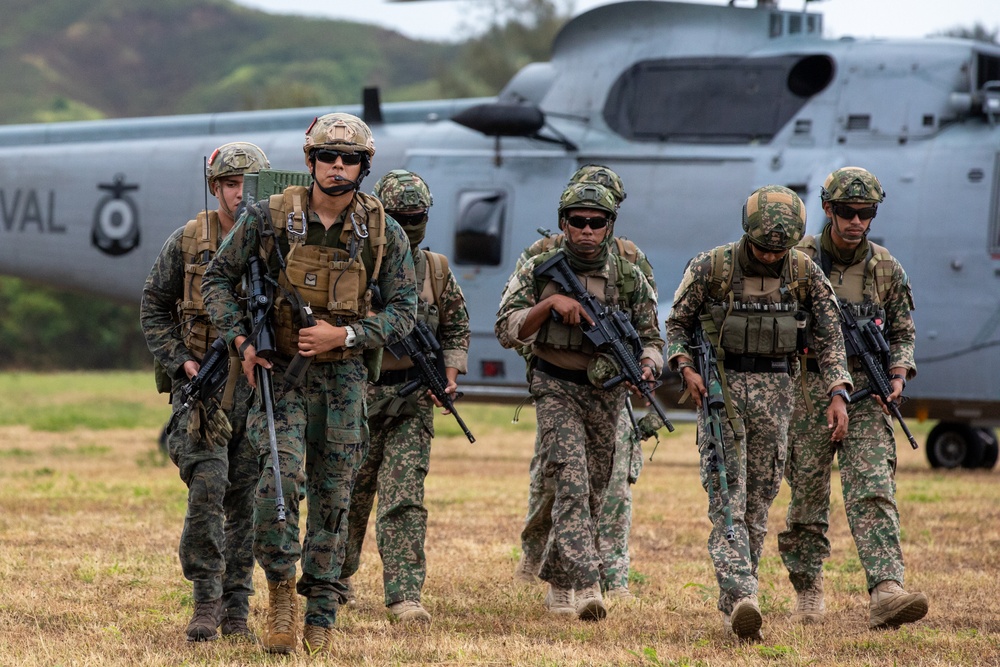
<point x="590" y="604"/>
<point x="559" y="601"/>
<point x="620" y="593"/>
<point x="408" y="611"/>
<point x="526" y="571"/>
<point x="891" y="606"/>
<point x="282" y="617"/>
<point x="205" y="621"/>
<point x="810" y="607"/>
<point x="745" y="620"/>
<point x="317" y="639"/>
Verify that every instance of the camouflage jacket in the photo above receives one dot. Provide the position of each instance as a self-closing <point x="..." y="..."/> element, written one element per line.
<point x="521" y="295"/>
<point x="396" y="281"/>
<point x="692" y="296"/>
<point x="453" y="329"/>
<point x="897" y="300"/>
<point x="164" y="287"/>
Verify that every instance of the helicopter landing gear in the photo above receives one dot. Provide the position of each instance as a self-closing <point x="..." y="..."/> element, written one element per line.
<point x="950" y="445"/>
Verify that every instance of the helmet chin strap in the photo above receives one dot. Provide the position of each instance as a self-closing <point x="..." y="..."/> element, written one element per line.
<point x="337" y="190"/>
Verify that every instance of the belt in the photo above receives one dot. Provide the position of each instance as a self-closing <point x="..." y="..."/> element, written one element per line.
<point x="398" y="377"/>
<point x="560" y="373"/>
<point x="746" y="363"/>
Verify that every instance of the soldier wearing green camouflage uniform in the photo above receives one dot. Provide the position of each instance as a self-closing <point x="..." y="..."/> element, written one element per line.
<point x="749" y="297"/>
<point x="401" y="428"/>
<point x="213" y="456"/>
<point x="616" y="515"/>
<point x="867" y="279"/>
<point x="577" y="419"/>
<point x="337" y="246"/>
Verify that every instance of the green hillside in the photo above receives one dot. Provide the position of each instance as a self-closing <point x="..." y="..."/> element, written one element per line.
<point x="85" y="59"/>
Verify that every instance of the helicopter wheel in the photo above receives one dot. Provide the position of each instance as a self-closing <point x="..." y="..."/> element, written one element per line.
<point x="950" y="445"/>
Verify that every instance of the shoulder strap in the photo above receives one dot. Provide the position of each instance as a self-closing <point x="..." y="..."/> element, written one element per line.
<point x="879" y="267"/>
<point x="798" y="280"/>
<point x="437" y="264"/>
<point x="722" y="275"/>
<point x="627" y="249"/>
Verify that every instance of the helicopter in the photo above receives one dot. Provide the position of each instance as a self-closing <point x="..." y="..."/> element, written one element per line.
<point x="693" y="105"/>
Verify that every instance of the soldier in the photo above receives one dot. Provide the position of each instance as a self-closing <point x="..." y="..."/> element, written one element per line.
<point x="616" y="515"/>
<point x="869" y="281"/>
<point x="576" y="419"/>
<point x="212" y="454"/>
<point x="749" y="297"/>
<point x="327" y="246"/>
<point x="401" y="428"/>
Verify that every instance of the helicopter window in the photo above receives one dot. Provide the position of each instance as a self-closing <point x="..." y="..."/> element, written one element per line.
<point x="811" y="24"/>
<point x="713" y="100"/>
<point x="859" y="122"/>
<point x="794" y="24"/>
<point x="479" y="232"/>
<point x="988" y="69"/>
<point x="776" y="25"/>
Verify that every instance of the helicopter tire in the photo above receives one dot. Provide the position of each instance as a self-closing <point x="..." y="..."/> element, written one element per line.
<point x="950" y="445"/>
<point x="991" y="450"/>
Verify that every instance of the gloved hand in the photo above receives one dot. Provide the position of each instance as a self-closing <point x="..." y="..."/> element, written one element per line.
<point x="209" y="423"/>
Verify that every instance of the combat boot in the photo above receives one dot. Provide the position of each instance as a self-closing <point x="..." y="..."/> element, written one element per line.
<point x="526" y="571"/>
<point x="237" y="628"/>
<point x="745" y="620"/>
<point x="559" y="601"/>
<point x="282" y="617"/>
<point x="317" y="639"/>
<point x="590" y="604"/>
<point x="810" y="607"/>
<point x="205" y="621"/>
<point x="620" y="593"/>
<point x="891" y="606"/>
<point x="409" y="611"/>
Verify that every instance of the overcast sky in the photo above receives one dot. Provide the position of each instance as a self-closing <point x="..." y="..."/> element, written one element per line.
<point x="453" y="19"/>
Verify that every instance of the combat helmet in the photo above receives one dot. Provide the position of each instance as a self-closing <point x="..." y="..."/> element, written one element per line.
<point x="774" y="218"/>
<point x="339" y="132"/>
<point x="402" y="190"/>
<point x="588" y="195"/>
<point x="234" y="159"/>
<point x="853" y="185"/>
<point x="601" y="175"/>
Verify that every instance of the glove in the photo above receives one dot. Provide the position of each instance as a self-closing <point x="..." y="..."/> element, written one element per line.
<point x="209" y="423"/>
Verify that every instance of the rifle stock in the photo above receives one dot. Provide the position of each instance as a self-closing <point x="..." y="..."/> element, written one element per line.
<point x="612" y="331"/>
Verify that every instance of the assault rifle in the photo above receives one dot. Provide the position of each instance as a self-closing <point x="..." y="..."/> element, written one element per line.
<point x="711" y="412"/>
<point x="212" y="374"/>
<point x="259" y="302"/>
<point x="872" y="350"/>
<point x="423" y="348"/>
<point x="611" y="332"/>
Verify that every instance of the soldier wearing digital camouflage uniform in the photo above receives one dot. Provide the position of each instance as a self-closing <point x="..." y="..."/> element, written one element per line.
<point x="215" y="460"/>
<point x="869" y="281"/>
<point x="401" y="428"/>
<point x="616" y="514"/>
<point x="577" y="420"/>
<point x="750" y="297"/>
<point x="337" y="245"/>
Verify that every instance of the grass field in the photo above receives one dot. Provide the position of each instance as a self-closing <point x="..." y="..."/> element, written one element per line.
<point x="90" y="515"/>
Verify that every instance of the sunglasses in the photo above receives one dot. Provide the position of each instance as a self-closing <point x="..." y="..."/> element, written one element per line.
<point x="579" y="222"/>
<point x="409" y="219"/>
<point x="329" y="156"/>
<point x="847" y="213"/>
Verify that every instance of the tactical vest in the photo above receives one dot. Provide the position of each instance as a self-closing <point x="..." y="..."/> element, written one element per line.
<point x="335" y="285"/>
<point x="757" y="316"/>
<point x="199" y="241"/>
<point x="615" y="290"/>
<point x="863" y="287"/>
<point x="431" y="270"/>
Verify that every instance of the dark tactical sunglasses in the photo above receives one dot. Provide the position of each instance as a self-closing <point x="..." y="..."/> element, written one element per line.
<point x="579" y="222"/>
<point x="328" y="156"/>
<point x="847" y="213"/>
<point x="409" y="219"/>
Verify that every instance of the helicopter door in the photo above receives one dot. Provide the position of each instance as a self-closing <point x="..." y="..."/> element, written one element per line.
<point x="483" y="217"/>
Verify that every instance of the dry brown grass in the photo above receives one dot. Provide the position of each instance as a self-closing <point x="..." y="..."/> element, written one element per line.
<point x="89" y="575"/>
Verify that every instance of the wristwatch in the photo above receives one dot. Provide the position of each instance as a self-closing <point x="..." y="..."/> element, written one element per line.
<point x="898" y="376"/>
<point x="352" y="337"/>
<point x="842" y="393"/>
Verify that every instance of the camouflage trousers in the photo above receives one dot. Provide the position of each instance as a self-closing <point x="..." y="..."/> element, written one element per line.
<point x="755" y="461"/>
<point x="615" y="522"/>
<point x="321" y="433"/>
<point x="216" y="542"/>
<point x="395" y="468"/>
<point x="575" y="448"/>
<point x="867" y="460"/>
